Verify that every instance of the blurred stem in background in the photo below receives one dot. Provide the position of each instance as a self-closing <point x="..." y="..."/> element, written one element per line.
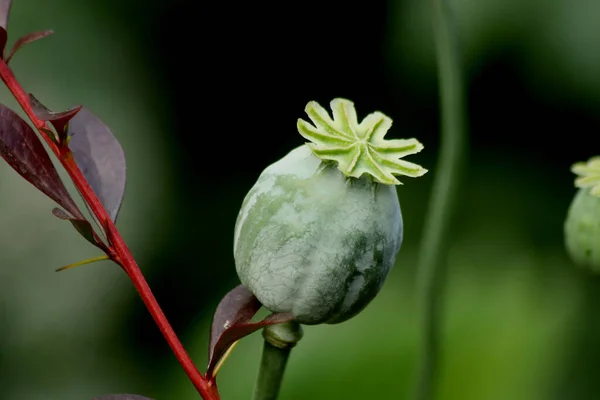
<point x="279" y="341"/>
<point x="444" y="196"/>
<point x="577" y="379"/>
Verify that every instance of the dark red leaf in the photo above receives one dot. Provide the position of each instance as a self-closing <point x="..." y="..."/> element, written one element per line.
<point x="58" y="119"/>
<point x="237" y="332"/>
<point x="122" y="397"/>
<point x="43" y="113"/>
<point x="83" y="227"/>
<point x="23" y="151"/>
<point x="4" y="11"/>
<point x="100" y="157"/>
<point x="26" y="39"/>
<point x="237" y="306"/>
<point x="232" y="321"/>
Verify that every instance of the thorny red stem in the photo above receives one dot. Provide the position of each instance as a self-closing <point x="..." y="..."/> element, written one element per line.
<point x="117" y="249"/>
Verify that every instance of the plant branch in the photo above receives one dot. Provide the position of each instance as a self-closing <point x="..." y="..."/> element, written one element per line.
<point x="279" y="341"/>
<point x="444" y="197"/>
<point x="117" y="249"/>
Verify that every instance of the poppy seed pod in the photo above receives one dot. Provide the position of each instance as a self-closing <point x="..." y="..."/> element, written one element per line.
<point x="582" y="226"/>
<point x="320" y="230"/>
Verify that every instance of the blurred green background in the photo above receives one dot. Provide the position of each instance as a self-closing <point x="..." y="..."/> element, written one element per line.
<point x="182" y="82"/>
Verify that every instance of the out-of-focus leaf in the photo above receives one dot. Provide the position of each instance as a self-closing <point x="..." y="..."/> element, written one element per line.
<point x="122" y="397"/>
<point x="83" y="227"/>
<point x="4" y="11"/>
<point x="23" y="151"/>
<point x="232" y="321"/>
<point x="58" y="119"/>
<point x="100" y="157"/>
<point x="26" y="39"/>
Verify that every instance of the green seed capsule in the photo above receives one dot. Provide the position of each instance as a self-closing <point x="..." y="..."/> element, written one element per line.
<point x="582" y="230"/>
<point x="320" y="230"/>
<point x="310" y="241"/>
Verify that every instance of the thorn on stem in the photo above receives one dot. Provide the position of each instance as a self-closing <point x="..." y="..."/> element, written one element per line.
<point x="83" y="262"/>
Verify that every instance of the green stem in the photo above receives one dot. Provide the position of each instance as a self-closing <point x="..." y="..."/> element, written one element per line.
<point x="279" y="341"/>
<point x="435" y="242"/>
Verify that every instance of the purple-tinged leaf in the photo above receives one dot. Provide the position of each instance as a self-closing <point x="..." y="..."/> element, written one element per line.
<point x="82" y="226"/>
<point x="58" y="119"/>
<point x="24" y="152"/>
<point x="237" y="332"/>
<point x="43" y="113"/>
<point x="100" y="157"/>
<point x="4" y="11"/>
<point x="232" y="321"/>
<point x="26" y="39"/>
<point x="239" y="305"/>
<point x="122" y="397"/>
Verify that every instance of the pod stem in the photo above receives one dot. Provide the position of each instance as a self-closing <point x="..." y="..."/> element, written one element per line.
<point x="279" y="341"/>
<point x="435" y="242"/>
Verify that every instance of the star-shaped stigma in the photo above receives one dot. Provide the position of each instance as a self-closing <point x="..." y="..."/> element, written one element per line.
<point x="358" y="148"/>
<point x="588" y="175"/>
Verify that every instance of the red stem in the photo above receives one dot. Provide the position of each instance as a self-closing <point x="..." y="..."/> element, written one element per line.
<point x="117" y="249"/>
